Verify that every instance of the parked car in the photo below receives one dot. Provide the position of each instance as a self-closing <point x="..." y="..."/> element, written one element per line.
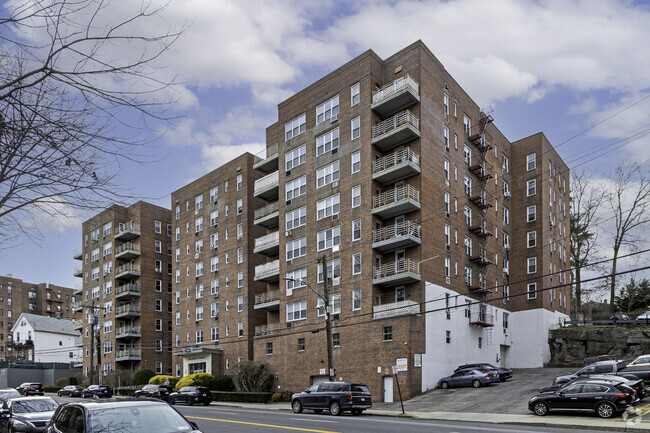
<point x="644" y="317"/>
<point x="635" y="383"/>
<point x="337" y="397"/>
<point x="70" y="390"/>
<point x="641" y="360"/>
<point x="31" y="388"/>
<point x="504" y="373"/>
<point x="124" y="415"/>
<point x="154" y="391"/>
<point x="26" y="414"/>
<point x="97" y="390"/>
<point x="8" y="393"/>
<point x="601" y="367"/>
<point x="191" y="395"/>
<point x="602" y="397"/>
<point x="475" y="377"/>
<point x="618" y="317"/>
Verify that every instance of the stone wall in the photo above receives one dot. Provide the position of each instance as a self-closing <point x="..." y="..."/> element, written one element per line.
<point x="578" y="346"/>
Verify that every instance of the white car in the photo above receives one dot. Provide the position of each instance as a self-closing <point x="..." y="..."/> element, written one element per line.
<point x="643" y="359"/>
<point x="644" y="316"/>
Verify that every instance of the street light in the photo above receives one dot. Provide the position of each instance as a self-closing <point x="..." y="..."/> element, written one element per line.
<point x="326" y="303"/>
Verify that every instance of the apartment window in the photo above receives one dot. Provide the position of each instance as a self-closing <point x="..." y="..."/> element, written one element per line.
<point x="295" y="158"/>
<point x="355" y="159"/>
<point x="447" y="267"/>
<point x="199" y="291"/>
<point x="447" y="236"/>
<point x="240" y="206"/>
<point x="157" y="226"/>
<point x="240" y="231"/>
<point x="327" y="142"/>
<point x="468" y="245"/>
<point x="158" y="304"/>
<point x="240" y="304"/>
<point x="445" y="102"/>
<point x="240" y="181"/>
<point x="94" y="255"/>
<point x="355" y="128"/>
<point x="294" y="127"/>
<point x="445" y="137"/>
<point x="301" y="345"/>
<point x="198" y="202"/>
<point x="506" y="215"/>
<point x="178" y="275"/>
<point x="329" y="238"/>
<point x="240" y="280"/>
<point x="531" y="162"/>
<point x="447" y="204"/>
<point x="327" y="109"/>
<point x="531" y="291"/>
<point x="199" y="336"/>
<point x="158" y="325"/>
<point x="505" y="321"/>
<point x="214" y="333"/>
<point x="225" y="186"/>
<point x="356" y="300"/>
<point x="198" y="224"/>
<point x="297" y="248"/>
<point x="532" y="265"/>
<point x="296" y="218"/>
<point x="467" y="155"/>
<point x="355" y="94"/>
<point x="448" y="337"/>
<point x="327" y="174"/>
<point x="531" y="187"/>
<point x="532" y="239"/>
<point x="336" y="340"/>
<point x="468" y="215"/>
<point x="214" y="194"/>
<point x="356" y="263"/>
<point x="356" y="230"/>
<point x="214" y="309"/>
<point x="198" y="311"/>
<point x="199" y="269"/>
<point x="214" y="287"/>
<point x="296" y="311"/>
<point x="328" y="207"/>
<point x="388" y="333"/>
<point x="356" y="196"/>
<point x="446" y="170"/>
<point x="107" y="248"/>
<point x="468" y="275"/>
<point x="240" y="329"/>
<point x="240" y="255"/>
<point x="467" y="182"/>
<point x="178" y="233"/>
<point x="531" y="213"/>
<point x="296" y="279"/>
<point x="480" y="342"/>
<point x="467" y="124"/>
<point x="333" y="270"/>
<point x="295" y="188"/>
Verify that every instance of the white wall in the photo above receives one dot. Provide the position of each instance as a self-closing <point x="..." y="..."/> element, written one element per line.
<point x="532" y="332"/>
<point x="54" y="347"/>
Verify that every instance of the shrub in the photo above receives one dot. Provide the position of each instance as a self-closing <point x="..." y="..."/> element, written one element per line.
<point x="162" y="378"/>
<point x="125" y="392"/>
<point x="246" y="397"/>
<point x="72" y="380"/>
<point x="141" y="377"/>
<point x="251" y="376"/>
<point x="197" y="379"/>
<point x="223" y="383"/>
<point x="51" y="388"/>
<point x="276" y="397"/>
<point x="286" y="395"/>
<point x="61" y="382"/>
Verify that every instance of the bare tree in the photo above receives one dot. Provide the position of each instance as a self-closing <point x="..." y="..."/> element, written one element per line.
<point x="80" y="93"/>
<point x="586" y="199"/>
<point x="629" y="201"/>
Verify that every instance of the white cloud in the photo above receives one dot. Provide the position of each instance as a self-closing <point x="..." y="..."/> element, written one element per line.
<point x="54" y="215"/>
<point x="216" y="156"/>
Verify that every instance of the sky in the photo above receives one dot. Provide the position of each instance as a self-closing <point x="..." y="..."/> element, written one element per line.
<point x="577" y="70"/>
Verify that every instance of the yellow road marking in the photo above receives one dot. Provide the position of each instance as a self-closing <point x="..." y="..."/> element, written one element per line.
<point x="636" y="411"/>
<point x="261" y="425"/>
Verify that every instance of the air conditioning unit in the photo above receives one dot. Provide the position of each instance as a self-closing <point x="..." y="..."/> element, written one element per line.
<point x="552" y="224"/>
<point x="287" y="173"/>
<point x="196" y="211"/>
<point x="506" y="194"/>
<point x="289" y="262"/>
<point x="335" y="249"/>
<point x="506" y="271"/>
<point x="335" y="151"/>
<point x="334" y="118"/>
<point x="506" y="247"/>
<point x="336" y="281"/>
<point x="448" y="247"/>
<point x="446" y="183"/>
<point x="216" y="200"/>
<point x="289" y="325"/>
<point x="335" y="217"/>
<point x="288" y="233"/>
<point x="240" y="236"/>
<point x="196" y="233"/>
<point x="216" y="272"/>
<point x="288" y="202"/>
<point x="196" y="278"/>
<point x="335" y="184"/>
<point x="216" y="225"/>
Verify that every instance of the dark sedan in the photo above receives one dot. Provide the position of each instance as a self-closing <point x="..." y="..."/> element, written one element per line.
<point x="31" y="388"/>
<point x="70" y="390"/>
<point x="191" y="395"/>
<point x="504" y="373"/>
<point x="26" y="414"/>
<point x="635" y="383"/>
<point x="97" y="390"/>
<point x="154" y="391"/>
<point x="337" y="397"/>
<point x="473" y="377"/>
<point x="602" y="397"/>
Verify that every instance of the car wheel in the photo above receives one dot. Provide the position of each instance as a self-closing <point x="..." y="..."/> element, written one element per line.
<point x="206" y="403"/>
<point x="605" y="410"/>
<point x="335" y="408"/>
<point x="476" y="383"/>
<point x="172" y="401"/>
<point x="357" y="412"/>
<point x="540" y="408"/>
<point x="190" y="402"/>
<point x="59" y="393"/>
<point x="296" y="406"/>
<point x="444" y="385"/>
<point x="318" y="410"/>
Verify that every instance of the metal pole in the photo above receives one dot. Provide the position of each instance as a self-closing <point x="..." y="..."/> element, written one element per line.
<point x="399" y="391"/>
<point x="92" y="341"/>
<point x="328" y="327"/>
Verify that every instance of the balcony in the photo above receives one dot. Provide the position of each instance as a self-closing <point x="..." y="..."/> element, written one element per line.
<point x="128" y="355"/>
<point x="77" y="254"/>
<point x="395" y="309"/>
<point x="77" y="306"/>
<point x="395" y="237"/>
<point x="128" y="332"/>
<point x="270" y="329"/>
<point x="127" y="311"/>
<point x="126" y="232"/>
<point x="78" y="288"/>
<point x="127" y="272"/>
<point x="268" y="244"/>
<point x="394" y="131"/>
<point x="268" y="216"/>
<point x="267" y="187"/>
<point x="395" y="96"/>
<point x="77" y="271"/>
<point x="267" y="301"/>
<point x="267" y="160"/>
<point x="398" y="201"/>
<point x="127" y="251"/>
<point x="481" y="315"/>
<point x="396" y="166"/>
<point x="403" y="271"/>
<point x="127" y="291"/>
<point x="78" y="324"/>
<point x="268" y="272"/>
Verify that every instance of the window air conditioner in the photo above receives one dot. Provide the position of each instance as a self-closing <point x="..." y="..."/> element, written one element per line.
<point x="335" y="184"/>
<point x="335" y="217"/>
<point x="506" y="194"/>
<point x="448" y="280"/>
<point x="196" y="255"/>
<point x="334" y="118"/>
<point x="335" y="151"/>
<point x="336" y="281"/>
<point x="288" y="233"/>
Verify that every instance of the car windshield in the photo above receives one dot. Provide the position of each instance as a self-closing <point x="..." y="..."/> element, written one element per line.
<point x="159" y="419"/>
<point x="27" y="406"/>
<point x="4" y="395"/>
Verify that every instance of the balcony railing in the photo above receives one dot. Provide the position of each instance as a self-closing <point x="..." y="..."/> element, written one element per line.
<point x="77" y="253"/>
<point x="406" y="228"/>
<point x="265" y="298"/>
<point x="396" y="201"/>
<point x="481" y="315"/>
<point x="268" y="271"/>
<point x="267" y="159"/>
<point x="127" y="290"/>
<point x="395" y="309"/>
<point x="127" y="310"/>
<point x="77" y="271"/>
<point x="266" y="210"/>
<point x="394" y="96"/>
<point x="396" y="130"/>
<point x="127" y="231"/>
<point x="402" y="271"/>
<point x="268" y="243"/>
<point x="266" y="187"/>
<point x="128" y="270"/>
<point x="396" y="166"/>
<point x="128" y="332"/>
<point x="127" y="355"/>
<point x="271" y="328"/>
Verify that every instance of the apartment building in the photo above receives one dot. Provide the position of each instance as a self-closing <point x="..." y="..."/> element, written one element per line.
<point x="419" y="206"/>
<point x="126" y="289"/>
<point x="18" y="297"/>
<point x="215" y="254"/>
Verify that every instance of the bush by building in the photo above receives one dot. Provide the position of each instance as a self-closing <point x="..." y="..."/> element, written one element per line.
<point x="141" y="377"/>
<point x="162" y="378"/>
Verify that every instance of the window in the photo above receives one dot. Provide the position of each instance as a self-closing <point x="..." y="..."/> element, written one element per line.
<point x="240" y="304"/>
<point x="198" y="224"/>
<point x="157" y="226"/>
<point x="214" y="194"/>
<point x="240" y="329"/>
<point x="199" y="269"/>
<point x="295" y="188"/>
<point x="297" y="248"/>
<point x="506" y="215"/>
<point x="447" y="236"/>
<point x="336" y="340"/>
<point x="301" y="344"/>
<point x="198" y="202"/>
<point x="178" y="233"/>
<point x="158" y="304"/>
<point x="327" y="174"/>
<point x="356" y="263"/>
<point x="295" y="157"/>
<point x="467" y="182"/>
<point x="240" y="181"/>
<point x="355" y="159"/>
<point x="445" y="105"/>
<point x="329" y="238"/>
<point x="531" y="291"/>
<point x="355" y="128"/>
<point x="240" y="255"/>
<point x="468" y="276"/>
<point x="448" y="337"/>
<point x="505" y="321"/>
<point x="199" y="291"/>
<point x="296" y="311"/>
<point x="296" y="218"/>
<point x="467" y="124"/>
<point x="333" y="270"/>
<point x="214" y="333"/>
<point x="240" y="231"/>
<point x="532" y="239"/>
<point x="269" y="348"/>
<point x="480" y="342"/>
<point x="531" y="162"/>
<point x="531" y="213"/>
<point x="356" y="196"/>
<point x="199" y="312"/>
<point x="446" y="170"/>
<point x="531" y="187"/>
<point x="447" y="205"/>
<point x="327" y="142"/>
<point x="327" y="109"/>
<point x="214" y="309"/>
<point x="294" y="127"/>
<point x="296" y="279"/>
<point x="532" y="265"/>
<point x="388" y="333"/>
<point x="214" y="264"/>
<point x="356" y="230"/>
<point x="199" y="336"/>
<point x="240" y="206"/>
<point x="158" y="324"/>
<point x="240" y="280"/>
<point x="468" y="215"/>
<point x="328" y="206"/>
<point x="468" y="245"/>
<point x="355" y="94"/>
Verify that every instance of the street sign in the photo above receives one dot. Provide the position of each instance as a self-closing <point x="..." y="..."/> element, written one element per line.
<point x="402" y="364"/>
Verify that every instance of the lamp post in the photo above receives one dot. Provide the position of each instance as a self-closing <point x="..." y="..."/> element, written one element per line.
<point x="326" y="304"/>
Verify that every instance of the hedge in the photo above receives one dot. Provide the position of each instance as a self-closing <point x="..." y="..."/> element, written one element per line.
<point x="141" y="377"/>
<point x="245" y="397"/>
<point x="161" y="379"/>
<point x="51" y="388"/>
<point x="196" y="379"/>
<point x="126" y="392"/>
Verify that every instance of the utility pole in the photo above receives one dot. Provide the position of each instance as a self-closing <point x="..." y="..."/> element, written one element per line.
<point x="328" y="326"/>
<point x="91" y="320"/>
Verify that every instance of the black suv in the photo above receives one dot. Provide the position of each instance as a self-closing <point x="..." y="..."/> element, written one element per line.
<point x="504" y="373"/>
<point x="336" y="397"/>
<point x="154" y="391"/>
<point x="31" y="388"/>
<point x="191" y="395"/>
